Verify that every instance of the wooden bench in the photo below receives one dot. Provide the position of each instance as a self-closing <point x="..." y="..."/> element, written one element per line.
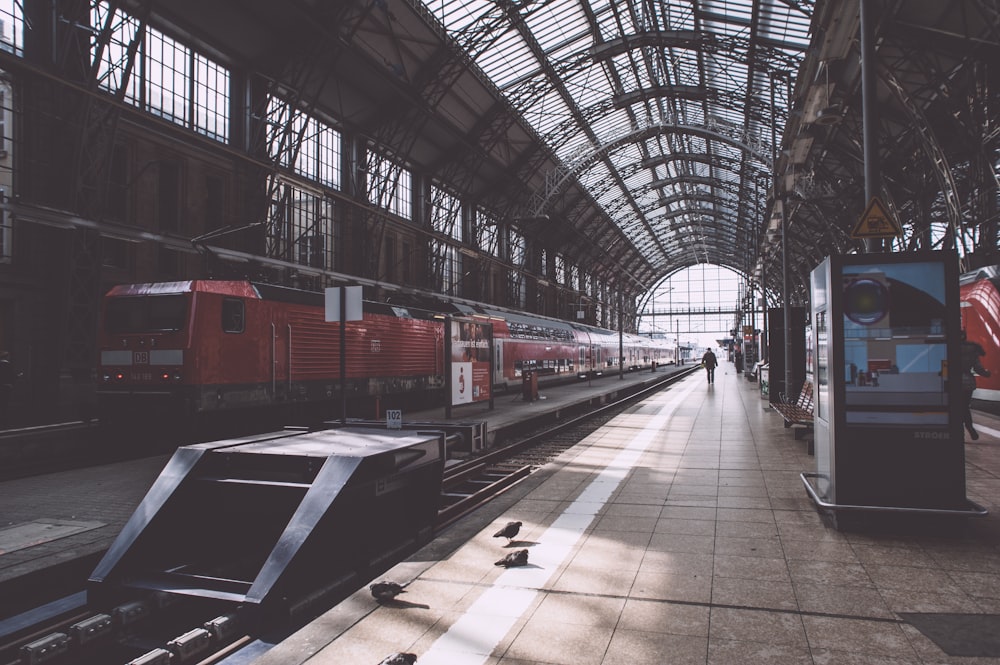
<point x="799" y="412"/>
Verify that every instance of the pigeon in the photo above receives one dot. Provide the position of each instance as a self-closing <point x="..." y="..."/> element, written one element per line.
<point x="509" y="531"/>
<point x="385" y="590"/>
<point x="399" y="659"/>
<point x="518" y="558"/>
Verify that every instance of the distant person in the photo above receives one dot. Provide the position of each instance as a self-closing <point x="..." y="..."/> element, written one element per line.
<point x="971" y="352"/>
<point x="738" y="359"/>
<point x="710" y="362"/>
<point x="7" y="378"/>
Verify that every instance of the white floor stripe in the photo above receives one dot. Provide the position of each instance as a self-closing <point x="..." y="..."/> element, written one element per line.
<point x="474" y="636"/>
<point x="988" y="430"/>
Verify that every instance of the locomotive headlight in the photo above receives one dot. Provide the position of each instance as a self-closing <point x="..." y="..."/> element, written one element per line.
<point x="119" y="376"/>
<point x="106" y="377"/>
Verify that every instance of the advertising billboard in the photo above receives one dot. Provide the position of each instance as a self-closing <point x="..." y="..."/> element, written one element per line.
<point x="471" y="342"/>
<point x="895" y="346"/>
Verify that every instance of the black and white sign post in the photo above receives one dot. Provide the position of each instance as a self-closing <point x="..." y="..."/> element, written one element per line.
<point x="343" y="304"/>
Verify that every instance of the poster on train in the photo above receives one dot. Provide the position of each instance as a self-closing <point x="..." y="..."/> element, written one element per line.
<point x="470" y="361"/>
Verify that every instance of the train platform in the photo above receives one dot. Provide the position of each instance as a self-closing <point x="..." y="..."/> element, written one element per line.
<point x="58" y="525"/>
<point x="680" y="532"/>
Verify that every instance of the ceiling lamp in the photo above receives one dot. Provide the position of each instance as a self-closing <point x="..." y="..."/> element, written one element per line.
<point x="830" y="115"/>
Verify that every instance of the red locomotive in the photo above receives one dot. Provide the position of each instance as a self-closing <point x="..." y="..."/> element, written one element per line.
<point x="980" y="305"/>
<point x="207" y="346"/>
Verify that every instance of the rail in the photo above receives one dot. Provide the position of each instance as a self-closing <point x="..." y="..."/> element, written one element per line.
<point x="482" y="476"/>
<point x="86" y="634"/>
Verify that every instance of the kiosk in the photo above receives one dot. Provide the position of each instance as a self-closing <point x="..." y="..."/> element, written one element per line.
<point x="887" y="420"/>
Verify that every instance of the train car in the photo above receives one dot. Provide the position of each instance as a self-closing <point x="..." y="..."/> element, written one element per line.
<point x="980" y="306"/>
<point x="522" y="342"/>
<point x="609" y="349"/>
<point x="201" y="347"/>
<point x="205" y="346"/>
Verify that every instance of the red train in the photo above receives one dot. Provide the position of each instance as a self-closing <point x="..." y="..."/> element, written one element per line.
<point x="980" y="305"/>
<point x="206" y="346"/>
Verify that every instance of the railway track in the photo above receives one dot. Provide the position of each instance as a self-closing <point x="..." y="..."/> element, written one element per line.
<point x="468" y="485"/>
<point x="163" y="630"/>
<point x="126" y="634"/>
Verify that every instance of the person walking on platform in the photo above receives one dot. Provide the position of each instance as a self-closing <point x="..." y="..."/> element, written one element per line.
<point x="971" y="366"/>
<point x="710" y="361"/>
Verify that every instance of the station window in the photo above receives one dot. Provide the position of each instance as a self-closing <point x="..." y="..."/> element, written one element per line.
<point x="390" y="185"/>
<point x="12" y="27"/>
<point x="303" y="143"/>
<point x="168" y="79"/>
<point x="487" y="237"/>
<point x="233" y="315"/>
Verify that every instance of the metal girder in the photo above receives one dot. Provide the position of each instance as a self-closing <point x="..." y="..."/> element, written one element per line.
<point x="560" y="178"/>
<point x="98" y="128"/>
<point x="736" y="47"/>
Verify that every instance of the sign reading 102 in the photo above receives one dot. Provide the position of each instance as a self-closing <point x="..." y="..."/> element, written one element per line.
<point x="394" y="419"/>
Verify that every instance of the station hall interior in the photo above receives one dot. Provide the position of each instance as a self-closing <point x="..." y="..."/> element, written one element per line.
<point x="668" y="168"/>
<point x="613" y="186"/>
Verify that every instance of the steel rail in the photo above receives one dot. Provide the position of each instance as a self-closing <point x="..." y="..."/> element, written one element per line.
<point x="486" y="463"/>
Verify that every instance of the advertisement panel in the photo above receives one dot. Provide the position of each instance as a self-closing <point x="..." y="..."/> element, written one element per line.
<point x="895" y="351"/>
<point x="470" y="361"/>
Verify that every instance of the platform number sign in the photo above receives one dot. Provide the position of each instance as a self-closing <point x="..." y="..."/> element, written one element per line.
<point x="394" y="419"/>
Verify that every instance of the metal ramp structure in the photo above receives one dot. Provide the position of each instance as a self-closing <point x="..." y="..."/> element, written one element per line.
<point x="270" y="521"/>
<point x="460" y="437"/>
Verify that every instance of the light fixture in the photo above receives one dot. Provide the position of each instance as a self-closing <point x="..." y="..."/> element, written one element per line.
<point x="831" y="114"/>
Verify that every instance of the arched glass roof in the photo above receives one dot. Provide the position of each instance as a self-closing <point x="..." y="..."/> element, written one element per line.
<point x="667" y="113"/>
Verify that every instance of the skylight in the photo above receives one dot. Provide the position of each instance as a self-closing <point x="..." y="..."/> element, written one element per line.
<point x="588" y="76"/>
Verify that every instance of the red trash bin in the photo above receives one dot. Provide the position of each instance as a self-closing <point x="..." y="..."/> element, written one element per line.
<point x="529" y="386"/>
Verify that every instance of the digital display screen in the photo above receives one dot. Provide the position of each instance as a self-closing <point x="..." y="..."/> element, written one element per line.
<point x="895" y="350"/>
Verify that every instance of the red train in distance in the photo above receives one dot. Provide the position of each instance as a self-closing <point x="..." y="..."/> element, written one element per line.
<point x="979" y="293"/>
<point x="208" y="346"/>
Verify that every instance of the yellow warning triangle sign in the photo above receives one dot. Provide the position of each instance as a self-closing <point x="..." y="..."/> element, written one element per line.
<point x="876" y="223"/>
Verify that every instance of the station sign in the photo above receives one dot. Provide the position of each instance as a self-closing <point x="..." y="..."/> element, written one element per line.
<point x="351" y="295"/>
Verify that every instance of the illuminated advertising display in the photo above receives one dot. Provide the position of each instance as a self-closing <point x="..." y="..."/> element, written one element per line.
<point x="895" y="351"/>
<point x="470" y="361"/>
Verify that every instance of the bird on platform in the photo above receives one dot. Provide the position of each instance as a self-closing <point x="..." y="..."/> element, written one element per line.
<point x="518" y="558"/>
<point x="386" y="590"/>
<point x="509" y="531"/>
<point x="399" y="659"/>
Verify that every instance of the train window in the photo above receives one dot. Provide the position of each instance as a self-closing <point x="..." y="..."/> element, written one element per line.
<point x="233" y="315"/>
<point x="141" y="314"/>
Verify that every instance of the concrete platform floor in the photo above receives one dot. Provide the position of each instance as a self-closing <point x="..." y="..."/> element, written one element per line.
<point x="681" y="533"/>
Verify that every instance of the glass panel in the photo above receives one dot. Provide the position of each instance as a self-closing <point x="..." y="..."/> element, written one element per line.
<point x="146" y="314"/>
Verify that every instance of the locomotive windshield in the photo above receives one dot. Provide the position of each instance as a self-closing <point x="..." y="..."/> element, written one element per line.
<point x="139" y="314"/>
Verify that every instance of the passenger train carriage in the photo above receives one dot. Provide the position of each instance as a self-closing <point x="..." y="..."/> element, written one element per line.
<point x="206" y="346"/>
<point x="980" y="306"/>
